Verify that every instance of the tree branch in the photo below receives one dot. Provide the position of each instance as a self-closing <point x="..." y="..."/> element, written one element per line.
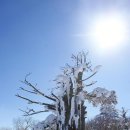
<point x="91" y="84"/>
<point x="32" y="112"/>
<point x="35" y="102"/>
<point x="27" y="90"/>
<point x="35" y="90"/>
<point x="89" y="76"/>
<point x="54" y="96"/>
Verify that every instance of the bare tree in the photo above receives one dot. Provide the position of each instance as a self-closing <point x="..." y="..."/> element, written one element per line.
<point x="107" y="119"/>
<point x="68" y="104"/>
<point x="22" y="123"/>
<point x="124" y="121"/>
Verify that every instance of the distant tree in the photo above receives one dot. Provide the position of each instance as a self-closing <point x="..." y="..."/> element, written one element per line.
<point x="69" y="103"/>
<point x="5" y="128"/>
<point x="108" y="117"/>
<point x="124" y="121"/>
<point x="26" y="123"/>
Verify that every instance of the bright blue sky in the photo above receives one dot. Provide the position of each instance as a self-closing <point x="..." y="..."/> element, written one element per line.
<point x="39" y="36"/>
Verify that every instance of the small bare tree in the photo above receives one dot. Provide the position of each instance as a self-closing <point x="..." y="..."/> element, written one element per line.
<point x="124" y="122"/>
<point x="26" y="123"/>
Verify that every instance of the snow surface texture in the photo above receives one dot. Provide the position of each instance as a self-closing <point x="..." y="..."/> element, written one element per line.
<point x="49" y="122"/>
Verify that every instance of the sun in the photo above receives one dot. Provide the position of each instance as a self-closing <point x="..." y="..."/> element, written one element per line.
<point x="109" y="32"/>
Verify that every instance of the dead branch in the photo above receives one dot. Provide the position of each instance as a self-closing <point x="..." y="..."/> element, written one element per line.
<point x="35" y="90"/>
<point x="27" y="90"/>
<point x="54" y="96"/>
<point x="34" y="102"/>
<point x="31" y="112"/>
<point x="89" y="76"/>
<point x="91" y="84"/>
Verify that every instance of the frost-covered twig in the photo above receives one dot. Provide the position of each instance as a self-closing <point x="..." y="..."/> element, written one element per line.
<point x="33" y="102"/>
<point x="31" y="112"/>
<point x="35" y="90"/>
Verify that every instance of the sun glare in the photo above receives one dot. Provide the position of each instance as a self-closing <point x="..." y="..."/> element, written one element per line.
<point x="109" y="32"/>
